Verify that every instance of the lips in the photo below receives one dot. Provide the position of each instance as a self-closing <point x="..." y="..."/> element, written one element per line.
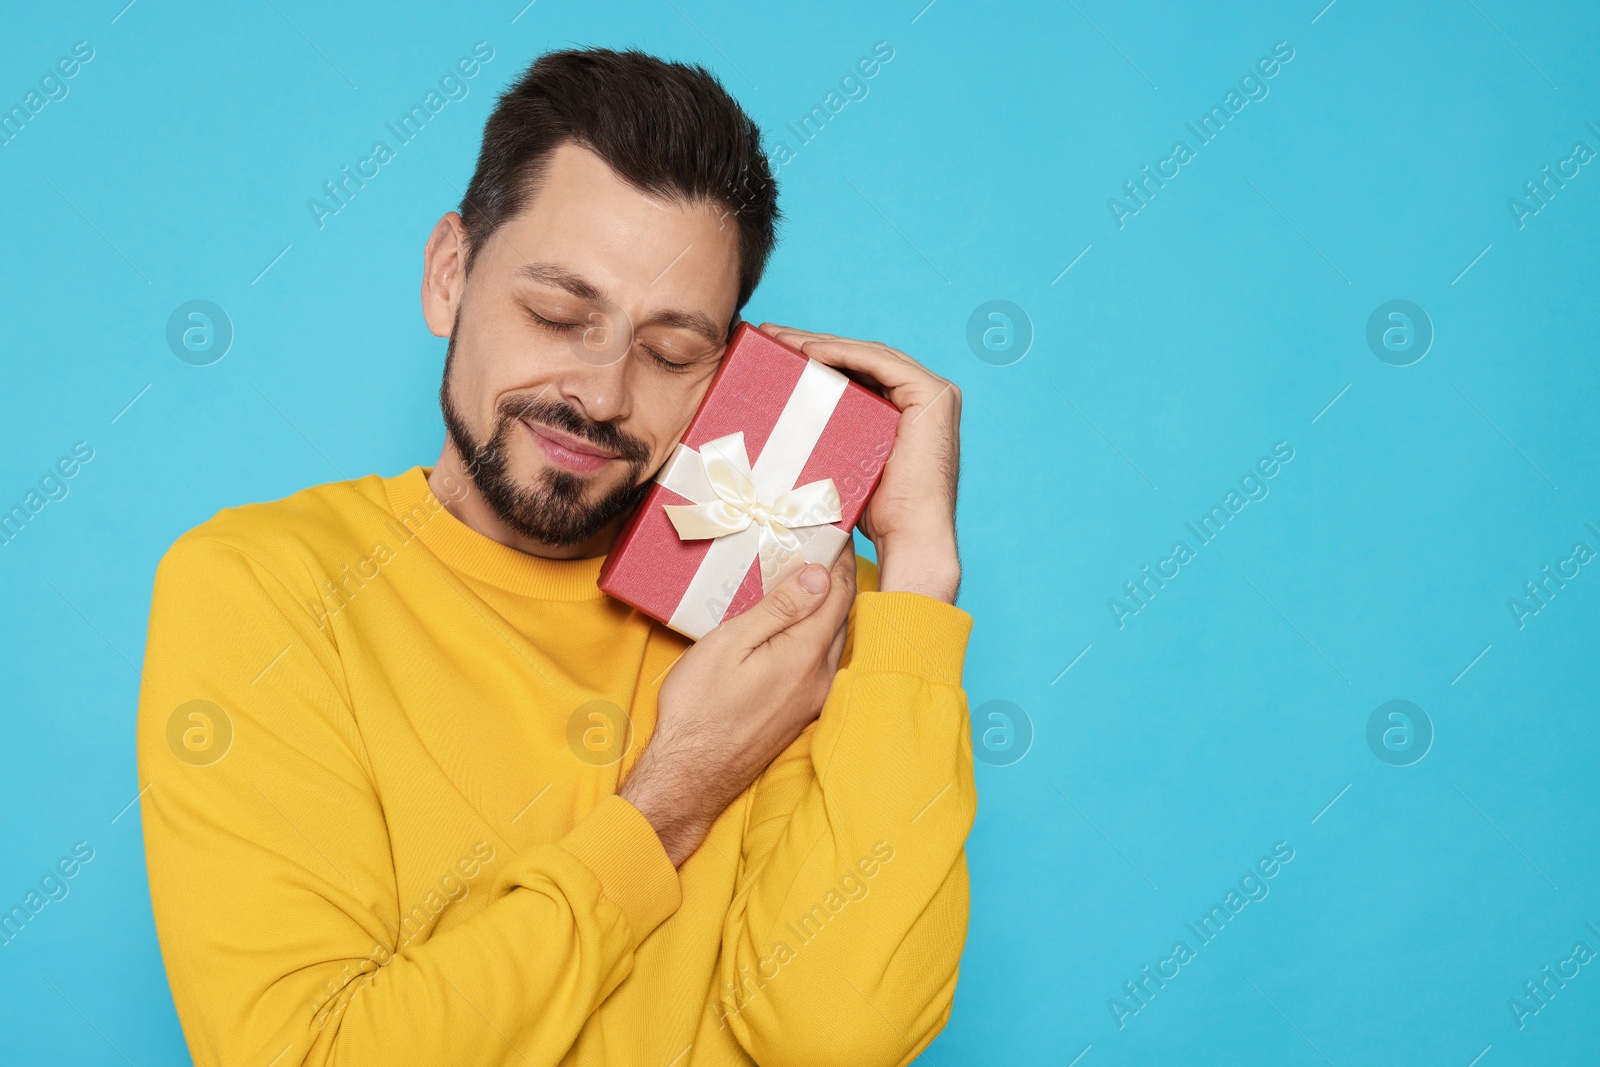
<point x="568" y="453"/>
<point x="571" y="444"/>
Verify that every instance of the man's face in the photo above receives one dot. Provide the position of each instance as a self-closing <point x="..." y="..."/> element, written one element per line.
<point x="581" y="345"/>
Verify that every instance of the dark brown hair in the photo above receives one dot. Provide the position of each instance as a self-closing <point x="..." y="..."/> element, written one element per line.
<point x="670" y="129"/>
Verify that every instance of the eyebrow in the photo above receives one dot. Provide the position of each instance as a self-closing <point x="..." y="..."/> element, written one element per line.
<point x="583" y="289"/>
<point x="563" y="279"/>
<point x="689" y="320"/>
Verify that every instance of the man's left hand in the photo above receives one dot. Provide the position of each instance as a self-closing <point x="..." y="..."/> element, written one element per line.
<point x="911" y="518"/>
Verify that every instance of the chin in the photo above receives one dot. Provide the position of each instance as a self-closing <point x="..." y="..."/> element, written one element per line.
<point x="548" y="479"/>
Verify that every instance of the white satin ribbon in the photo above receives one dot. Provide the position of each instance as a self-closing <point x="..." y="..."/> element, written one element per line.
<point x="727" y="467"/>
<point x="756" y="512"/>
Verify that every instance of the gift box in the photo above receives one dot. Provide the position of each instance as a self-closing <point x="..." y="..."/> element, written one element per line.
<point x="773" y="473"/>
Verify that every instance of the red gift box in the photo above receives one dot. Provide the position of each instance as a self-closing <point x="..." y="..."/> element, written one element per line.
<point x="773" y="472"/>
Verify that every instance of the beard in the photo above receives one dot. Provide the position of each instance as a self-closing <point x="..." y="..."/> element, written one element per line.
<point x="553" y="509"/>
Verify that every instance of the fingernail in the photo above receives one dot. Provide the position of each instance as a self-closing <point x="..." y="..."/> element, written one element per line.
<point x="813" y="578"/>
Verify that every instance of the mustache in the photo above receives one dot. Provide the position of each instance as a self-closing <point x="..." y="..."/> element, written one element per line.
<point x="558" y="415"/>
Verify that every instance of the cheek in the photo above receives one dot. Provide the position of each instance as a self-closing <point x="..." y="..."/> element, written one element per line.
<point x="468" y="369"/>
<point x="660" y="455"/>
<point x="663" y="410"/>
<point x="497" y="351"/>
<point x="474" y="399"/>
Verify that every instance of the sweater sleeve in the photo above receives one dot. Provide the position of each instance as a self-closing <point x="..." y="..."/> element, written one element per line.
<point x="846" y="930"/>
<point x="271" y="877"/>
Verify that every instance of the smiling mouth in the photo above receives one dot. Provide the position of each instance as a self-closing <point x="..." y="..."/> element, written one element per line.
<point x="568" y="451"/>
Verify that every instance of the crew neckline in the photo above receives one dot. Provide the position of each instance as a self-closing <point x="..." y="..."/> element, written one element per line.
<point x="464" y="549"/>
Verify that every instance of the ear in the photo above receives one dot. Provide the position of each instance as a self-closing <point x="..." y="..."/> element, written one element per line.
<point x="444" y="274"/>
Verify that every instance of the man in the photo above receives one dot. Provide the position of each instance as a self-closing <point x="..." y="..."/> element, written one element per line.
<point x="418" y="793"/>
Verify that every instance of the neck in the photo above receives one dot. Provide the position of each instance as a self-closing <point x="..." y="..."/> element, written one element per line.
<point x="459" y="494"/>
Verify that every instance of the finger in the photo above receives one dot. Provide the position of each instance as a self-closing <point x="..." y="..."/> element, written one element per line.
<point x="795" y="336"/>
<point x="817" y="630"/>
<point x="776" y="328"/>
<point x="791" y="603"/>
<point x="906" y="382"/>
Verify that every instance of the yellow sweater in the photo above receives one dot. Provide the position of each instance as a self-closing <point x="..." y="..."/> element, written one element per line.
<point x="381" y="824"/>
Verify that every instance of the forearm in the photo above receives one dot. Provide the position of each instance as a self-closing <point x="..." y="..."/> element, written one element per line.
<point x="857" y="874"/>
<point x="927" y="563"/>
<point x="671" y="794"/>
<point x="514" y="984"/>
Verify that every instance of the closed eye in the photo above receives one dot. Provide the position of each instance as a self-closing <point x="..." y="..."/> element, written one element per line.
<point x="664" y="361"/>
<point x="567" y="327"/>
<point x="548" y="324"/>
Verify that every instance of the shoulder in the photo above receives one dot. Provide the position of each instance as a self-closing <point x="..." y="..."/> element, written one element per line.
<point x="301" y="535"/>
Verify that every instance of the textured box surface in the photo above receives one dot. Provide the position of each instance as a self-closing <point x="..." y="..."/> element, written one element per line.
<point x="651" y="567"/>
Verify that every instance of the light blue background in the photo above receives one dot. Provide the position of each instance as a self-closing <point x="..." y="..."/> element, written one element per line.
<point x="1223" y="318"/>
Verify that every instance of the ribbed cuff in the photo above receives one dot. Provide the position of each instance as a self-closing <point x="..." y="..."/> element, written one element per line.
<point x="618" y="844"/>
<point x="910" y="633"/>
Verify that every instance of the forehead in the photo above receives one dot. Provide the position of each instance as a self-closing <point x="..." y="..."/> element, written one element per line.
<point x="639" y="250"/>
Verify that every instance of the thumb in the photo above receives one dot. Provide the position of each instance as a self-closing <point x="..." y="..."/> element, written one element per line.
<point x="793" y="600"/>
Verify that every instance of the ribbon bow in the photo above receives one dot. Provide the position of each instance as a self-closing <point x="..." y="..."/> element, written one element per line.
<point x="737" y="505"/>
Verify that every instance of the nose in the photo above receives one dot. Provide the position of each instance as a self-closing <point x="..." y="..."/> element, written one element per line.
<point x="599" y="372"/>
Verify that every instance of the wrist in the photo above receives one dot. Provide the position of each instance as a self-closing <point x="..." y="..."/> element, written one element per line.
<point x="669" y="805"/>
<point x="927" y="565"/>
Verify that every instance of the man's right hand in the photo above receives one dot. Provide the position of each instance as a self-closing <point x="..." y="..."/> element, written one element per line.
<point x="735" y="700"/>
